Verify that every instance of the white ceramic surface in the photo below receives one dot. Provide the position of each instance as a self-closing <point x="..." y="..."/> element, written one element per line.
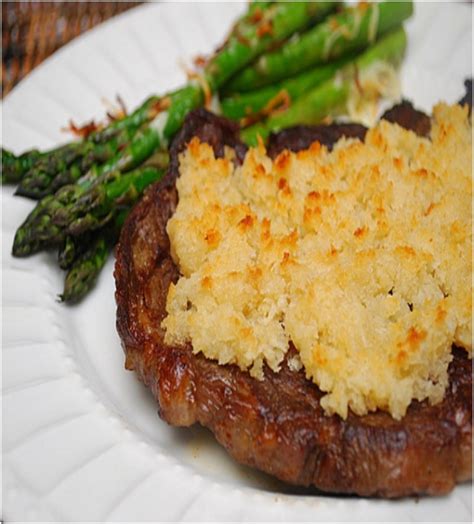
<point x="81" y="437"/>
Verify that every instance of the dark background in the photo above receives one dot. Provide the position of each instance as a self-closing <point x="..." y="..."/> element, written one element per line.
<point x="33" y="30"/>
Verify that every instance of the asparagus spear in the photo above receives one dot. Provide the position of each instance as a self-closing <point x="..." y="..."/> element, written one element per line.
<point x="13" y="167"/>
<point x="44" y="164"/>
<point x="38" y="231"/>
<point x="28" y="239"/>
<point x="251" y="104"/>
<point x="258" y="31"/>
<point x="73" y="246"/>
<point x="97" y="206"/>
<point x="49" y="163"/>
<point x="85" y="269"/>
<point x="83" y="272"/>
<point x="69" y="164"/>
<point x="143" y="114"/>
<point x="69" y="251"/>
<point x="331" y="97"/>
<point x="353" y="29"/>
<point x="78" y="208"/>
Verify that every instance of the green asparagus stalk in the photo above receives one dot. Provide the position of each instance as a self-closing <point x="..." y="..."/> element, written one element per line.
<point x="14" y="167"/>
<point x="143" y="114"/>
<point x="331" y="97"/>
<point x="83" y="273"/>
<point x="352" y="30"/>
<point x="29" y="240"/>
<point x="72" y="246"/>
<point x="78" y="208"/>
<point x="67" y="165"/>
<point x="69" y="250"/>
<point x="253" y="35"/>
<point x="49" y="163"/>
<point x="97" y="206"/>
<point x="244" y="106"/>
<point x="326" y="100"/>
<point x="85" y="269"/>
<point x="40" y="231"/>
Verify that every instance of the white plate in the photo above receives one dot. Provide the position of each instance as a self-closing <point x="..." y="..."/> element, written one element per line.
<point x="81" y="437"/>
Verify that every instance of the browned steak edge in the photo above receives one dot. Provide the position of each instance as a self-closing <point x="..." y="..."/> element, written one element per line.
<point x="277" y="424"/>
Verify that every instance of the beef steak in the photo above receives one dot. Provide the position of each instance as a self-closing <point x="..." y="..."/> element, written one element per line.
<point x="277" y="425"/>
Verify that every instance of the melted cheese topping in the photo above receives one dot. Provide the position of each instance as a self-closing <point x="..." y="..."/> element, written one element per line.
<point x="360" y="256"/>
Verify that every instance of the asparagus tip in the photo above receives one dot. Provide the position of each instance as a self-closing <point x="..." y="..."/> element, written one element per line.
<point x="21" y="191"/>
<point x="21" y="249"/>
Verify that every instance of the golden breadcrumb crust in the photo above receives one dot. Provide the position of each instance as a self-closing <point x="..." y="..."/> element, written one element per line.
<point x="360" y="256"/>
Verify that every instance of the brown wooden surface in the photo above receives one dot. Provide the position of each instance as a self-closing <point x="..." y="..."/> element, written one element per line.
<point x="31" y="31"/>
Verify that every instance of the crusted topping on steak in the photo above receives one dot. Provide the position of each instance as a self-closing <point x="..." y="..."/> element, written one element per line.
<point x="359" y="256"/>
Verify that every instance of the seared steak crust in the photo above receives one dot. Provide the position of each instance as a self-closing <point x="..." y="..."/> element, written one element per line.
<point x="301" y="137"/>
<point x="467" y="98"/>
<point x="405" y="115"/>
<point x="277" y="424"/>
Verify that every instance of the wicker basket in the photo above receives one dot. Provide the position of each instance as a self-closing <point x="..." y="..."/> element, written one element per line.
<point x="32" y="31"/>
